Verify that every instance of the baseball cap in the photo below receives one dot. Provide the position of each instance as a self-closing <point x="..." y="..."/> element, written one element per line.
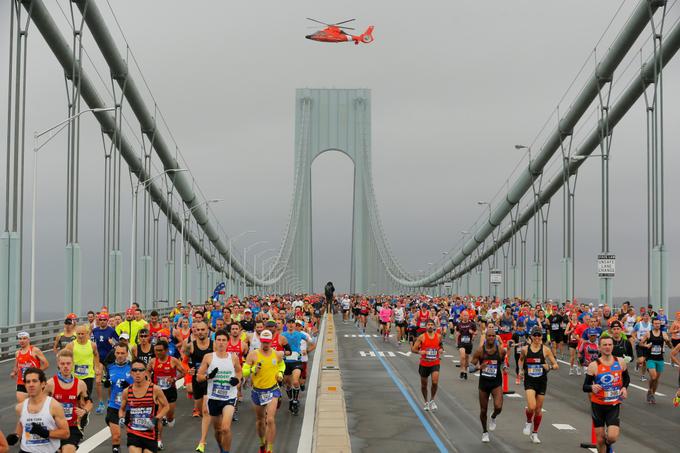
<point x="130" y="311"/>
<point x="71" y="316"/>
<point x="23" y="334"/>
<point x="124" y="336"/>
<point x="247" y="310"/>
<point x="266" y="336"/>
<point x="301" y="322"/>
<point x="616" y="324"/>
<point x="103" y="316"/>
<point x="593" y="332"/>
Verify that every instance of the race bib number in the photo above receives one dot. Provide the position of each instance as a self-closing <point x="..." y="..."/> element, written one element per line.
<point x="491" y="369"/>
<point x="82" y="370"/>
<point x="266" y="398"/>
<point x="611" y="395"/>
<point x="118" y="399"/>
<point x="656" y="349"/>
<point x="422" y="324"/>
<point x="465" y="339"/>
<point x="140" y="418"/>
<point x="164" y="382"/>
<point x="431" y="354"/>
<point x="555" y="326"/>
<point x="535" y="370"/>
<point x="220" y="390"/>
<point x="68" y="410"/>
<point x="294" y="356"/>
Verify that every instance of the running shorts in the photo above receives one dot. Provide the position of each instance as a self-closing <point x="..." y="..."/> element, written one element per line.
<point x="675" y="341"/>
<point x="21" y="388"/>
<point x="215" y="407"/>
<point x="426" y="371"/>
<point x="200" y="389"/>
<point x="556" y="336"/>
<point x="466" y="346"/>
<point x="89" y="383"/>
<point x="539" y="385"/>
<point x="134" y="440"/>
<point x="401" y="323"/>
<point x="488" y="386"/>
<point x="657" y="365"/>
<point x="171" y="394"/>
<point x="74" y="438"/>
<point x="262" y="397"/>
<point x="111" y="416"/>
<point x="605" y="414"/>
<point x="290" y="366"/>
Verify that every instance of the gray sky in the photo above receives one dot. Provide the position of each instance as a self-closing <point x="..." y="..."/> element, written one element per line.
<point x="454" y="86"/>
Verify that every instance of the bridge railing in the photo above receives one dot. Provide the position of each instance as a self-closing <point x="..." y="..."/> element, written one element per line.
<point x="43" y="332"/>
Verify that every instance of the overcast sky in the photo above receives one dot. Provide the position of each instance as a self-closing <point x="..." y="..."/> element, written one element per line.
<point x="454" y="86"/>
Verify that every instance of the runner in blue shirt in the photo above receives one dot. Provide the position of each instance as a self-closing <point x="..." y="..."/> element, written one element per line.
<point x="119" y="379"/>
<point x="104" y="336"/>
<point x="293" y="365"/>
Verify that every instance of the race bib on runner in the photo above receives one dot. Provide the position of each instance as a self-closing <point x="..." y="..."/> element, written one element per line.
<point x="220" y="389"/>
<point x="140" y="418"/>
<point x="68" y="410"/>
<point x="491" y="369"/>
<point x="465" y="339"/>
<point x="266" y="398"/>
<point x="164" y="382"/>
<point x="118" y="398"/>
<point x="535" y="370"/>
<point x="555" y="326"/>
<point x="82" y="370"/>
<point x="294" y="356"/>
<point x="611" y="395"/>
<point x="656" y="349"/>
<point x="431" y="354"/>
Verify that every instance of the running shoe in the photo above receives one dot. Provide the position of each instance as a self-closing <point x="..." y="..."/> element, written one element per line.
<point x="571" y="371"/>
<point x="465" y="376"/>
<point x="652" y="399"/>
<point x="578" y="371"/>
<point x="196" y="413"/>
<point x="676" y="401"/>
<point x="485" y="438"/>
<point x="517" y="379"/>
<point x="527" y="428"/>
<point x="160" y="445"/>
<point x="492" y="424"/>
<point x="171" y="423"/>
<point x="643" y="378"/>
<point x="426" y="407"/>
<point x="100" y="408"/>
<point x="433" y="406"/>
<point x="462" y="376"/>
<point x="534" y="438"/>
<point x="200" y="448"/>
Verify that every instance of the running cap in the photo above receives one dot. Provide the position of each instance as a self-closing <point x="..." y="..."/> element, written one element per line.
<point x="616" y="324"/>
<point x="266" y="336"/>
<point x="103" y="316"/>
<point x="130" y="311"/>
<point x="124" y="336"/>
<point x="71" y="316"/>
<point x="247" y="310"/>
<point x="301" y="322"/>
<point x="536" y="331"/>
<point x="593" y="333"/>
<point x="23" y="334"/>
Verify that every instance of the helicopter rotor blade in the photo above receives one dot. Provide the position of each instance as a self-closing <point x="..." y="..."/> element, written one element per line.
<point x="318" y="21"/>
<point x="344" y="21"/>
<point x="344" y="28"/>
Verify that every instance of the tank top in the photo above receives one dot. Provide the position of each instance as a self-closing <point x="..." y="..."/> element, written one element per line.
<point x="145" y="356"/>
<point x="36" y="444"/>
<point x="431" y="347"/>
<point x="65" y="339"/>
<point x="656" y="351"/>
<point x="254" y="342"/>
<point x="219" y="387"/>
<point x="68" y="399"/>
<point x="506" y="324"/>
<point x="265" y="378"/>
<point x="24" y="361"/>
<point x="422" y="319"/>
<point x="465" y="331"/>
<point x="609" y="378"/>
<point x="197" y="354"/>
<point x="163" y="373"/>
<point x="276" y="343"/>
<point x="141" y="412"/>
<point x="491" y="374"/>
<point x="83" y="360"/>
<point x="235" y="349"/>
<point x="533" y="364"/>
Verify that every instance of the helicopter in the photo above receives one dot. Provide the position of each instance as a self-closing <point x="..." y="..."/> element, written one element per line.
<point x="335" y="33"/>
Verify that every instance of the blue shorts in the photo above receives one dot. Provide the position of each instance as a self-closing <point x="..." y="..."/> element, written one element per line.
<point x="657" y="365"/>
<point x="262" y="397"/>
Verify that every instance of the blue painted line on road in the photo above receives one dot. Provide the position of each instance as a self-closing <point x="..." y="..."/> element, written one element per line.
<point x="430" y="430"/>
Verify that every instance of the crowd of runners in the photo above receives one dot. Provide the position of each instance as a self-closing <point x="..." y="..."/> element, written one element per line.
<point x="131" y="370"/>
<point x="607" y="346"/>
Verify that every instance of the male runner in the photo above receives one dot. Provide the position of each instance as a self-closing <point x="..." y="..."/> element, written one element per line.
<point x="196" y="350"/>
<point x="166" y="370"/>
<point x="534" y="368"/>
<point x="267" y="367"/>
<point x="41" y="423"/>
<point x="27" y="356"/>
<point x="142" y="406"/>
<point x="237" y="346"/>
<point x="489" y="359"/>
<point x="105" y="337"/>
<point x="640" y="330"/>
<point x="293" y="366"/>
<point x="71" y="392"/>
<point x="654" y="341"/>
<point x="222" y="370"/>
<point x="466" y="330"/>
<point x="86" y="365"/>
<point x="607" y="382"/>
<point x="119" y="378"/>
<point x="430" y="347"/>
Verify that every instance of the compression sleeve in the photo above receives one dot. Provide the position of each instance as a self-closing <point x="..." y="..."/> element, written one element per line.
<point x="286" y="348"/>
<point x="588" y="383"/>
<point x="246" y="370"/>
<point x="626" y="378"/>
<point x="282" y="366"/>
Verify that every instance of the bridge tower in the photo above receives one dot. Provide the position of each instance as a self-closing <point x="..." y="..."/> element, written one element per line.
<point x="333" y="120"/>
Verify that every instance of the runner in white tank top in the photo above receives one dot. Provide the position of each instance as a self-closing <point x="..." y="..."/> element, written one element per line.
<point x="31" y="442"/>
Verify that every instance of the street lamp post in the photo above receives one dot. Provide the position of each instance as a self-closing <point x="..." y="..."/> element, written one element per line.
<point x="181" y="268"/>
<point x="231" y="276"/>
<point x="37" y="148"/>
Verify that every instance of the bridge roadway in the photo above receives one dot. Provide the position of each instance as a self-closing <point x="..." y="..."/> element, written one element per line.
<point x="184" y="436"/>
<point x="381" y="419"/>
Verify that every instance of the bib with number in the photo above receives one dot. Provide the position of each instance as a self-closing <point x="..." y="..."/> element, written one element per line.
<point x="119" y="398"/>
<point x="611" y="395"/>
<point x="220" y="389"/>
<point x="535" y="370"/>
<point x="656" y="349"/>
<point x="491" y="369"/>
<point x="431" y="354"/>
<point x="140" y="418"/>
<point x="68" y="410"/>
<point x="266" y="397"/>
<point x="164" y="382"/>
<point x="465" y="339"/>
<point x="82" y="370"/>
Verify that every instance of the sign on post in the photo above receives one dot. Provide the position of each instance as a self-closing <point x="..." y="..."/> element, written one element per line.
<point x="495" y="276"/>
<point x="606" y="265"/>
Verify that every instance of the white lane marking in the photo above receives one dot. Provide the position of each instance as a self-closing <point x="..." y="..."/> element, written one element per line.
<point x="104" y="434"/>
<point x="448" y="356"/>
<point x="307" y="430"/>
<point x="564" y="427"/>
<point x="513" y="395"/>
<point x="406" y="354"/>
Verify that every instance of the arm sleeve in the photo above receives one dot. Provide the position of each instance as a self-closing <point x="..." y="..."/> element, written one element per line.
<point x="626" y="378"/>
<point x="588" y="383"/>
<point x="282" y="366"/>
<point x="246" y="370"/>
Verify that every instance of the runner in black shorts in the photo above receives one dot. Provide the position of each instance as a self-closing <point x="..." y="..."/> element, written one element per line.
<point x="489" y="359"/>
<point x="466" y="329"/>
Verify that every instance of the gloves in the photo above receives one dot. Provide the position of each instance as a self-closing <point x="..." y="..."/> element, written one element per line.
<point x="12" y="439"/>
<point x="213" y="373"/>
<point x="234" y="381"/>
<point x="121" y="422"/>
<point x="155" y="421"/>
<point x="279" y="377"/>
<point x="124" y="384"/>
<point x="107" y="383"/>
<point x="38" y="430"/>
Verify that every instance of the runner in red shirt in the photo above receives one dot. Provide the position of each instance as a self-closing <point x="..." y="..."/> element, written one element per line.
<point x="429" y="346"/>
<point x="27" y="356"/>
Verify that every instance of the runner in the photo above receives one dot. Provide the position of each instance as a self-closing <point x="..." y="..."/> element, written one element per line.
<point x="293" y="366"/>
<point x="573" y="339"/>
<point x="222" y="370"/>
<point x="71" y="392"/>
<point x="142" y="406"/>
<point x="165" y="371"/>
<point x="466" y="329"/>
<point x="27" y="356"/>
<point x="196" y="350"/>
<point x="85" y="358"/>
<point x="607" y="382"/>
<point x="119" y="378"/>
<point x="622" y="346"/>
<point x="519" y="340"/>
<point x="41" y="424"/>
<point x="267" y="367"/>
<point x="534" y="368"/>
<point x="105" y="337"/>
<point x="345" y="306"/>
<point x="654" y="341"/>
<point x="640" y="330"/>
<point x="237" y="346"/>
<point x="489" y="360"/>
<point x="143" y="350"/>
<point x="400" y="321"/>
<point x="557" y="321"/>
<point x="68" y="335"/>
<point x="589" y="350"/>
<point x="430" y="347"/>
<point x="363" y="313"/>
<point x="386" y="316"/>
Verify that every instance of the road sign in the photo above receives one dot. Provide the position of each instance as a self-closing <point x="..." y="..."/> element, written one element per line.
<point x="606" y="265"/>
<point x="495" y="276"/>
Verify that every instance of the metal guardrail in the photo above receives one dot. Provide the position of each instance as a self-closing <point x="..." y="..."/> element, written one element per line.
<point x="43" y="332"/>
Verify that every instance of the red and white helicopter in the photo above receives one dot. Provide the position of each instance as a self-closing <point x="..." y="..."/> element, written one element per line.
<point x="334" y="33"/>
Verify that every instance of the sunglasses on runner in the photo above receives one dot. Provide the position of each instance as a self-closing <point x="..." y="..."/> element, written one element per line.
<point x="137" y="370"/>
<point x="537" y="334"/>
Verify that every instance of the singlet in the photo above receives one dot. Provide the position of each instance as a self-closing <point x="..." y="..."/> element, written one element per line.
<point x="64" y="339"/>
<point x="254" y="342"/>
<point x="265" y="378"/>
<point x="345" y="304"/>
<point x="141" y="412"/>
<point x="83" y="360"/>
<point x="641" y="328"/>
<point x="117" y="375"/>
<point x="68" y="399"/>
<point x="591" y="352"/>
<point x="235" y="349"/>
<point x="465" y="331"/>
<point x="491" y="374"/>
<point x="422" y="319"/>
<point x="573" y="335"/>
<point x="385" y="314"/>
<point x="24" y="361"/>
<point x="431" y="347"/>
<point x="555" y="322"/>
<point x="533" y="364"/>
<point x="629" y="324"/>
<point x="656" y="351"/>
<point x="163" y="373"/>
<point x="276" y="343"/>
<point x="506" y="324"/>
<point x="145" y="356"/>
<point x="609" y="377"/>
<point x="219" y="387"/>
<point x="364" y="307"/>
<point x="197" y="354"/>
<point x="36" y="444"/>
<point x="399" y="315"/>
